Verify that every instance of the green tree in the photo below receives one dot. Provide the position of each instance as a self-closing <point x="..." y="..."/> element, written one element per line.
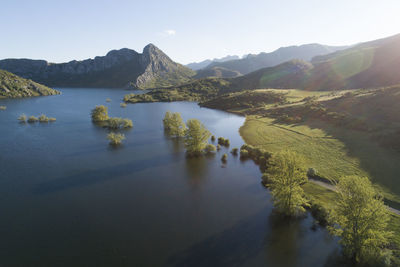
<point x="119" y="123"/>
<point x="361" y="220"/>
<point x="210" y="148"/>
<point x="167" y="121"/>
<point x="286" y="175"/>
<point x="115" y="138"/>
<point x="99" y="114"/>
<point x="196" y="137"/>
<point x="174" y="124"/>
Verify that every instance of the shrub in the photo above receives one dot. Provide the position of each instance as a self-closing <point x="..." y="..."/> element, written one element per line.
<point x="244" y="153"/>
<point x="22" y="118"/>
<point x="108" y="100"/>
<point x="123" y="105"/>
<point x="312" y="172"/>
<point x="43" y="118"/>
<point x="210" y="149"/>
<point x="32" y="119"/>
<point x="235" y="151"/>
<point x="115" y="138"/>
<point x="223" y="142"/>
<point x="255" y="153"/>
<point x="224" y="157"/>
<point x="265" y="179"/>
<point x="218" y="147"/>
<point x="99" y="114"/>
<point x="119" y="123"/>
<point x="213" y="138"/>
<point x="3" y="107"/>
<point x="128" y="96"/>
<point x="319" y="213"/>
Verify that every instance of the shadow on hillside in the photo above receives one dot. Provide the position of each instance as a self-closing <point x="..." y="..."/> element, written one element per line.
<point x="380" y="163"/>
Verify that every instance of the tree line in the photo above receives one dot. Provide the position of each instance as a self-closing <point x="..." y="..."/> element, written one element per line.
<point x="360" y="217"/>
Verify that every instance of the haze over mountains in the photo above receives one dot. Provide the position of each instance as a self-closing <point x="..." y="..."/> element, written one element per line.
<point x="205" y="63"/>
<point x="119" y="68"/>
<point x="253" y="62"/>
<point x="369" y="64"/>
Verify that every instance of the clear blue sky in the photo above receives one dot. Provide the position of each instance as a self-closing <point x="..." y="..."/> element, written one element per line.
<point x="186" y="30"/>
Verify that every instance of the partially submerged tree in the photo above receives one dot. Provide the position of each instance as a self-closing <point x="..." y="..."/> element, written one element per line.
<point x="119" y="123"/>
<point x="43" y="118"/>
<point x="32" y="119"/>
<point x="99" y="114"/>
<point x="173" y="124"/>
<point x="286" y="175"/>
<point x="196" y="137"/>
<point x="210" y="148"/>
<point x="22" y="118"/>
<point x="361" y="220"/>
<point x="115" y="138"/>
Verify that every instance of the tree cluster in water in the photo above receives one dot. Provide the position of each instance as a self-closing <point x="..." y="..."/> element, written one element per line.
<point x="100" y="116"/>
<point x="194" y="133"/>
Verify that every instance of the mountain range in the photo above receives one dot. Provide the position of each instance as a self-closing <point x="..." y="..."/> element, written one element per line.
<point x="119" y="68"/>
<point x="366" y="65"/>
<point x="253" y="62"/>
<point x="310" y="67"/>
<point x="205" y="63"/>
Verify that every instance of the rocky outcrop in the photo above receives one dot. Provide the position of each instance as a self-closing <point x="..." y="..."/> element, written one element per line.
<point x="119" y="68"/>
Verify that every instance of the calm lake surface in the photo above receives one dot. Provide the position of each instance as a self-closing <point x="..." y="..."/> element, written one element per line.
<point x="68" y="199"/>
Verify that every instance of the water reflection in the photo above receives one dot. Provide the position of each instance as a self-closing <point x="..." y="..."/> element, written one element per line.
<point x="197" y="171"/>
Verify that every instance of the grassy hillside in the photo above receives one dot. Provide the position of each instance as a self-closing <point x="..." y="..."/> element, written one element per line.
<point x="12" y="86"/>
<point x="219" y="72"/>
<point x="340" y="133"/>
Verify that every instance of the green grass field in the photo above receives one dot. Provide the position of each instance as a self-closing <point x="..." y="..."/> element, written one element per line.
<point x="333" y="152"/>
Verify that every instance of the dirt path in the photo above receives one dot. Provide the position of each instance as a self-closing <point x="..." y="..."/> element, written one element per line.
<point x="333" y="188"/>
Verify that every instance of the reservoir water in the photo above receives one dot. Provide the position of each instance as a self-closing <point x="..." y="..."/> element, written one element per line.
<point x="69" y="199"/>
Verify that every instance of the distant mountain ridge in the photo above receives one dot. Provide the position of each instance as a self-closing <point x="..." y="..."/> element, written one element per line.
<point x="252" y="62"/>
<point x="366" y="65"/>
<point x="12" y="86"/>
<point x="205" y="63"/>
<point x="117" y="69"/>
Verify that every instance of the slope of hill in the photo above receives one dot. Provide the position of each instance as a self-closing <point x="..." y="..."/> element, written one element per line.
<point x="119" y="68"/>
<point x="255" y="62"/>
<point x="12" y="86"/>
<point x="370" y="64"/>
<point x="205" y="63"/>
<point x="218" y="72"/>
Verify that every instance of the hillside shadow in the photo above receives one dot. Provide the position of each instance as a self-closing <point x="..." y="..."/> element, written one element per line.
<point x="381" y="164"/>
